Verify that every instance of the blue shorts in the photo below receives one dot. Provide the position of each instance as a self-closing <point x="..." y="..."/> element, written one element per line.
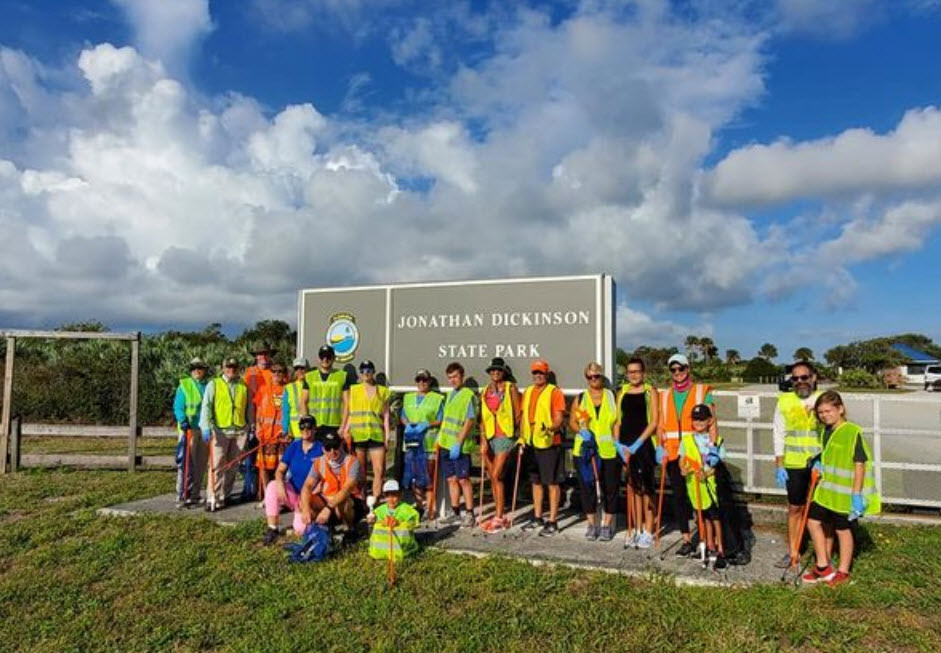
<point x="416" y="470"/>
<point x="459" y="468"/>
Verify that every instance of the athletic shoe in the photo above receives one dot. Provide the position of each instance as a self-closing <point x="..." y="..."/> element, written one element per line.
<point x="686" y="549"/>
<point x="740" y="558"/>
<point x="711" y="557"/>
<point x="271" y="536"/>
<point x="534" y="523"/>
<point x="644" y="540"/>
<point x="591" y="532"/>
<point x="550" y="529"/>
<point x="839" y="578"/>
<point x="631" y="541"/>
<point x="815" y="575"/>
<point x="607" y="534"/>
<point x="784" y="562"/>
<point x="467" y="519"/>
<point x="450" y="520"/>
<point x="720" y="562"/>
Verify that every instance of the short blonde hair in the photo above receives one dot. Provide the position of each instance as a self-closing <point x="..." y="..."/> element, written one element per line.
<point x="594" y="367"/>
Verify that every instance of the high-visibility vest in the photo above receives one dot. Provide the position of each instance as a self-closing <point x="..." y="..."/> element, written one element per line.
<point x="673" y="426"/>
<point x="257" y="379"/>
<point x="601" y="424"/>
<point x="427" y="411"/>
<point x="538" y="434"/>
<point x="504" y="415"/>
<point x="192" y="399"/>
<point x="694" y="460"/>
<point x="835" y="487"/>
<point x="268" y="422"/>
<point x="325" y="398"/>
<point x="455" y="415"/>
<point x="802" y="431"/>
<point x="366" y="414"/>
<point x="333" y="482"/>
<point x="403" y="538"/>
<point x="293" y="391"/>
<point x="650" y="396"/>
<point x="226" y="413"/>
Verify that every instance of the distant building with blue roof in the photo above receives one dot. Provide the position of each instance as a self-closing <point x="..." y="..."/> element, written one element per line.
<point x="916" y="361"/>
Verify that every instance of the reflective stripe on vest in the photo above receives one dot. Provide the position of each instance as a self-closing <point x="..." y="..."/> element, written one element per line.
<point x="673" y="426"/>
<point x="503" y="416"/>
<point x="227" y="414"/>
<point x="403" y="538"/>
<point x="802" y="431"/>
<point x="268" y="422"/>
<point x="192" y="399"/>
<point x="294" y="407"/>
<point x="332" y="483"/>
<point x="538" y="434"/>
<point x="602" y="424"/>
<point x="835" y="489"/>
<point x="325" y="398"/>
<point x="650" y="396"/>
<point x="427" y="411"/>
<point x="455" y="415"/>
<point x="707" y="488"/>
<point x="366" y="414"/>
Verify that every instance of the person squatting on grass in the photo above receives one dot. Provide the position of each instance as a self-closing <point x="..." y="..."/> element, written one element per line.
<point x="331" y="494"/>
<point x="293" y="470"/>
<point x="700" y="454"/>
<point x="845" y="491"/>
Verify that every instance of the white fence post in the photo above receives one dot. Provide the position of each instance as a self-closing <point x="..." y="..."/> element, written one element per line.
<point x="877" y="441"/>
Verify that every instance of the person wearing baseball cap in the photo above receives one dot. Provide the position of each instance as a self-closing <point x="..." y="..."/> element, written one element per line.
<point x="191" y="452"/>
<point x="396" y="516"/>
<point x="331" y="494"/>
<point x="676" y="419"/>
<point x="422" y="412"/>
<point x="366" y="424"/>
<point x="292" y="408"/>
<point x="326" y="393"/>
<point x="543" y="408"/>
<point x="285" y="489"/>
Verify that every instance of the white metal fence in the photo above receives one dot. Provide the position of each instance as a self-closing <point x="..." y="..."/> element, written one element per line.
<point x="903" y="431"/>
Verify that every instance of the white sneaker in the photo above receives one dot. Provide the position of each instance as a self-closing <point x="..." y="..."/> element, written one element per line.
<point x="645" y="541"/>
<point x="631" y="541"/>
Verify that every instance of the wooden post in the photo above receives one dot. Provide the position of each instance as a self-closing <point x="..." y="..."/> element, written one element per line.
<point x="132" y="429"/>
<point x="16" y="434"/>
<point x="7" y="403"/>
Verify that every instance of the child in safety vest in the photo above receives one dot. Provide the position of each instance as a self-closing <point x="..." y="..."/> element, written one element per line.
<point x="393" y="524"/>
<point x="844" y="490"/>
<point x="699" y="456"/>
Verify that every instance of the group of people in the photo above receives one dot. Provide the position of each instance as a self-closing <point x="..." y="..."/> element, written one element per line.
<point x="313" y="438"/>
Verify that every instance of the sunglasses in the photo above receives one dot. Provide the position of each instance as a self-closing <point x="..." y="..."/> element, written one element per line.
<point x="538" y="373"/>
<point x="331" y="447"/>
<point x="802" y="377"/>
<point x="367" y="370"/>
<point x="678" y="368"/>
<point x="592" y="377"/>
<point x="422" y="380"/>
<point x="274" y="371"/>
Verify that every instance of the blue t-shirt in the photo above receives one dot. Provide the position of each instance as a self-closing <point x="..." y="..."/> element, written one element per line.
<point x="299" y="463"/>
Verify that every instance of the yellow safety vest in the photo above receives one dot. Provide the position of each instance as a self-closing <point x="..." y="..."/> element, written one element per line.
<point x="601" y="424"/>
<point x="325" y="398"/>
<point x="403" y="538"/>
<point x="835" y="488"/>
<point x="427" y="411"/>
<point x="707" y="488"/>
<point x="538" y="434"/>
<point x="226" y="413"/>
<point x="294" y="407"/>
<point x="455" y="416"/>
<point x="503" y="416"/>
<point x="802" y="431"/>
<point x="366" y="414"/>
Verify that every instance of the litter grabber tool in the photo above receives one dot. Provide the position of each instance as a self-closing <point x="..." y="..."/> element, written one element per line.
<point x="431" y="509"/>
<point x="799" y="535"/>
<point x="391" y="526"/>
<point x="663" y="480"/>
<point x="211" y="504"/>
<point x="516" y="486"/>
<point x="694" y="468"/>
<point x="483" y="486"/>
<point x="187" y="451"/>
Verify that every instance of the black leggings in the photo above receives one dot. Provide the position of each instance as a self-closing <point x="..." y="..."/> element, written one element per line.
<point x="681" y="507"/>
<point x="609" y="472"/>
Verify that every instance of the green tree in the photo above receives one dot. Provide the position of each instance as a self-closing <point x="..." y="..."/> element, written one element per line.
<point x="692" y="344"/>
<point x="870" y="355"/>
<point x="768" y="351"/>
<point x="804" y="354"/>
<point x="760" y="369"/>
<point x="732" y="356"/>
<point x="708" y="348"/>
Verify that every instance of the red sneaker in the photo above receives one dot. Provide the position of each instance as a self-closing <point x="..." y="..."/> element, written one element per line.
<point x="815" y="575"/>
<point x="839" y="578"/>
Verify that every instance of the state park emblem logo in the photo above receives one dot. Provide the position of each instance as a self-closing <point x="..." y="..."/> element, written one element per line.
<point x="343" y="336"/>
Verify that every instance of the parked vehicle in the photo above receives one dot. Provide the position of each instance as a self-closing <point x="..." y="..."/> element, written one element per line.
<point x="933" y="377"/>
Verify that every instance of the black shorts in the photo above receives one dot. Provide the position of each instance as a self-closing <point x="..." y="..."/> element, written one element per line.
<point x="826" y="516"/>
<point x="547" y="466"/>
<point x="640" y="473"/>
<point x="798" y="483"/>
<point x="368" y="444"/>
<point x="711" y="513"/>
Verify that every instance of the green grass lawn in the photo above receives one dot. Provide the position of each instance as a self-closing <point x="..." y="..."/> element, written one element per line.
<point x="71" y="580"/>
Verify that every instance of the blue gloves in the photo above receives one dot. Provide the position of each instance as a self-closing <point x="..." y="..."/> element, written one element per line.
<point x="421" y="427"/>
<point x="660" y="455"/>
<point x="455" y="451"/>
<point x="859" y="507"/>
<point x="634" y="447"/>
<point x="623" y="451"/>
<point x="781" y="477"/>
<point x="712" y="457"/>
<point x="817" y="467"/>
<point x="184" y="425"/>
<point x="206" y="436"/>
<point x="585" y="435"/>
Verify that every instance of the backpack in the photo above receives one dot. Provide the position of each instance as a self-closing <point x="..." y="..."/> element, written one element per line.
<point x="313" y="546"/>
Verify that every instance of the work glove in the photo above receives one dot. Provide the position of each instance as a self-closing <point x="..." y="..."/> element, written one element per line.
<point x="455" y="451"/>
<point x="781" y="477"/>
<point x="184" y="426"/>
<point x="660" y="455"/>
<point x="410" y="430"/>
<point x="585" y="435"/>
<point x="636" y="446"/>
<point x="206" y="436"/>
<point x="421" y="427"/>
<point x="712" y="457"/>
<point x="817" y="467"/>
<point x="623" y="452"/>
<point x="859" y="506"/>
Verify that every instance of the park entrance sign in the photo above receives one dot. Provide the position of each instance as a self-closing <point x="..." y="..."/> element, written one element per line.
<point x="568" y="321"/>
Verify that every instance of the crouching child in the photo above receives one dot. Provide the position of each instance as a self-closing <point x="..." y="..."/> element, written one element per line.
<point x="394" y="523"/>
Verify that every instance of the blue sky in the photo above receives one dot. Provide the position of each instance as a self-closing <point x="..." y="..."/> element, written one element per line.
<point x="753" y="171"/>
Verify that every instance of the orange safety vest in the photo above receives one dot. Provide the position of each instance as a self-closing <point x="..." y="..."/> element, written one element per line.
<point x="672" y="426"/>
<point x="268" y="426"/>
<point x="332" y="483"/>
<point x="257" y="379"/>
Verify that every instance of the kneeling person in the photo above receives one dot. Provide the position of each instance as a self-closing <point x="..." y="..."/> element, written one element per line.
<point x="393" y="525"/>
<point x="331" y="493"/>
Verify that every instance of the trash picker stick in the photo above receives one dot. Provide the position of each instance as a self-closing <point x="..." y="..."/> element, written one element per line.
<point x="516" y="483"/>
<point x="796" y="543"/>
<point x="186" y="464"/>
<point x="663" y="479"/>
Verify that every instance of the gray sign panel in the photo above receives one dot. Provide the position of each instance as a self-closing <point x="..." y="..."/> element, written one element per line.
<point x="568" y="321"/>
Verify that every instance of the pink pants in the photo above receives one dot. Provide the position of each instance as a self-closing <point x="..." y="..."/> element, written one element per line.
<point x="273" y="504"/>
